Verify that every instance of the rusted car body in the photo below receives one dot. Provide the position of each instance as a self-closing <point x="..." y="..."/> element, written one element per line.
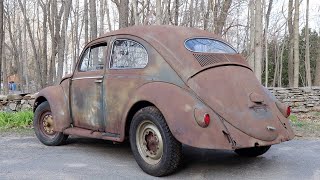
<point x="208" y="99"/>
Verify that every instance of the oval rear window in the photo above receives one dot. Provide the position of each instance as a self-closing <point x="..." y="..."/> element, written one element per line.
<point x="205" y="45"/>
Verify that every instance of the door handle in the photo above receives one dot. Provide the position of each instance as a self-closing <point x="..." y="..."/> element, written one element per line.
<point x="98" y="81"/>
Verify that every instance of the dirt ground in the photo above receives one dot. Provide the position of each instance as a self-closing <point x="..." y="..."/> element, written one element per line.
<point x="306" y="125"/>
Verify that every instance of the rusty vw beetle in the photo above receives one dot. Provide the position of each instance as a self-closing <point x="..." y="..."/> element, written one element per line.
<point x="161" y="87"/>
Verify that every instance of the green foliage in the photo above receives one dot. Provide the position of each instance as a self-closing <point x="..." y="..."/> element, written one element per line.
<point x="275" y="45"/>
<point x="295" y="121"/>
<point x="21" y="119"/>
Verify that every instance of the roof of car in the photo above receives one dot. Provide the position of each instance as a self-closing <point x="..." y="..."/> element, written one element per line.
<point x="169" y="42"/>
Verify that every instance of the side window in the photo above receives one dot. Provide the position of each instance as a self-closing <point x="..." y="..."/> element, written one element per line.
<point x="128" y="54"/>
<point x="93" y="59"/>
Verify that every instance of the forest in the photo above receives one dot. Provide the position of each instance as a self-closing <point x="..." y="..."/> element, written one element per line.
<point x="40" y="40"/>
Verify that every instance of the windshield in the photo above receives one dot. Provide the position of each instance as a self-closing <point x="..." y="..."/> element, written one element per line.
<point x="205" y="45"/>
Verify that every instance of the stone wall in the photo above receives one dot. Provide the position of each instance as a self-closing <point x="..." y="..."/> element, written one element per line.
<point x="303" y="99"/>
<point x="300" y="99"/>
<point x="16" y="102"/>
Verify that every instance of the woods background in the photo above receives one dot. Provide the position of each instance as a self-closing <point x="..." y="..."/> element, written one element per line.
<point x="40" y="40"/>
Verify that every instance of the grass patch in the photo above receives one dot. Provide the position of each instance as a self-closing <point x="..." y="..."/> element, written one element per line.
<point x="306" y="125"/>
<point x="21" y="119"/>
<point x="296" y="122"/>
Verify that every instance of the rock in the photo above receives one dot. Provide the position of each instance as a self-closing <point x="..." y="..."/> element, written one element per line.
<point x="12" y="106"/>
<point x="24" y="101"/>
<point x="31" y="102"/>
<point x="33" y="96"/>
<point x="309" y="105"/>
<point x="25" y="107"/>
<point x="306" y="89"/>
<point x="299" y="110"/>
<point x="27" y="97"/>
<point x="316" y="108"/>
<point x="3" y="97"/>
<point x="12" y="97"/>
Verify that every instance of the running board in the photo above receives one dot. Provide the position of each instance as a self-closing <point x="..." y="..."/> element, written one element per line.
<point x="92" y="134"/>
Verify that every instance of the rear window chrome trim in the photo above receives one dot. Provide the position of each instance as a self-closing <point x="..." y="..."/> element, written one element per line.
<point x="226" y="43"/>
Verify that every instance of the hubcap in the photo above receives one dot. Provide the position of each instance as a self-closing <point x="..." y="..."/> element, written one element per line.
<point x="149" y="142"/>
<point x="46" y="125"/>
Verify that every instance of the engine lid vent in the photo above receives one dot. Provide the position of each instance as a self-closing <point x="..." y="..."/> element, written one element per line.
<point x="209" y="59"/>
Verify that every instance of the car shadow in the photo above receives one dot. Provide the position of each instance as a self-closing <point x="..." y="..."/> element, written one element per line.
<point x="194" y="159"/>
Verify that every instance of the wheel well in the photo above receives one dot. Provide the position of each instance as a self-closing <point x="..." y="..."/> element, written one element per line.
<point x="38" y="101"/>
<point x="135" y="108"/>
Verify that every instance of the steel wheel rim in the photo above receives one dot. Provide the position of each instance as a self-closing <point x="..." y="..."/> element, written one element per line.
<point x="46" y="125"/>
<point x="149" y="142"/>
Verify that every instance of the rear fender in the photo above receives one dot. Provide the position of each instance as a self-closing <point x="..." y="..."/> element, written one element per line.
<point x="59" y="106"/>
<point x="178" y="108"/>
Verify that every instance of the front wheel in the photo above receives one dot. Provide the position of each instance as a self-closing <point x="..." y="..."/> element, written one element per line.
<point x="43" y="126"/>
<point x="253" y="151"/>
<point x="155" y="149"/>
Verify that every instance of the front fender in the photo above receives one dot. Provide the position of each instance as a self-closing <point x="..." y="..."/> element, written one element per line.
<point x="178" y="106"/>
<point x="59" y="105"/>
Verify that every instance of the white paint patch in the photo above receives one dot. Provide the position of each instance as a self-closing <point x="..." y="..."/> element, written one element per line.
<point x="76" y="165"/>
<point x="187" y="108"/>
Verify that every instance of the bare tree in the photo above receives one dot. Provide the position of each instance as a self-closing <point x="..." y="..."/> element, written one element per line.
<point x="93" y="19"/>
<point x="296" y="44"/>
<point x="258" y="40"/>
<point x="221" y="16"/>
<point x="123" y="9"/>
<point x="1" y="39"/>
<point x="307" y="53"/>
<point x="290" y="43"/>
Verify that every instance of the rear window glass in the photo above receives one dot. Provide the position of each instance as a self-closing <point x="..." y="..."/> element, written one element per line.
<point x="205" y="45"/>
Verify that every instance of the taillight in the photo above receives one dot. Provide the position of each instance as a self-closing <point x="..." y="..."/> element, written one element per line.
<point x="206" y="119"/>
<point x="288" y="111"/>
<point x="284" y="109"/>
<point x="202" y="117"/>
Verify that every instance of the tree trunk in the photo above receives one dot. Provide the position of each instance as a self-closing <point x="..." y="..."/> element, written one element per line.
<point x="102" y="12"/>
<point x="307" y="53"/>
<point x="290" y="43"/>
<point x="266" y="42"/>
<point x="93" y="19"/>
<point x="296" y="44"/>
<point x="33" y="47"/>
<point x="1" y="43"/>
<point x="250" y="58"/>
<point x="62" y="41"/>
<point x="176" y="13"/>
<point x="86" y="21"/>
<point x="123" y="9"/>
<point x="158" y="12"/>
<point x="258" y="40"/>
<point x="222" y="18"/>
<point x="108" y="16"/>
<point x="317" y="74"/>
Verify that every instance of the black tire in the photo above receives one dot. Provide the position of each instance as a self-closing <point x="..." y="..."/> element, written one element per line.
<point x="43" y="128"/>
<point x="149" y="124"/>
<point x="253" y="151"/>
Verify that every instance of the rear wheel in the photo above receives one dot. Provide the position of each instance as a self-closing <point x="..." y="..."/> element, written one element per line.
<point x="155" y="149"/>
<point x="43" y="126"/>
<point x="253" y="151"/>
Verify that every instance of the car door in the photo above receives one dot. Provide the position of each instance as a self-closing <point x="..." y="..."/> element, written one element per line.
<point x="86" y="90"/>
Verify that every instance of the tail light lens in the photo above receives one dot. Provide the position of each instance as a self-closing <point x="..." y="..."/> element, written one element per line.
<point x="284" y="109"/>
<point x="202" y="117"/>
<point x="206" y="119"/>
<point x="288" y="111"/>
